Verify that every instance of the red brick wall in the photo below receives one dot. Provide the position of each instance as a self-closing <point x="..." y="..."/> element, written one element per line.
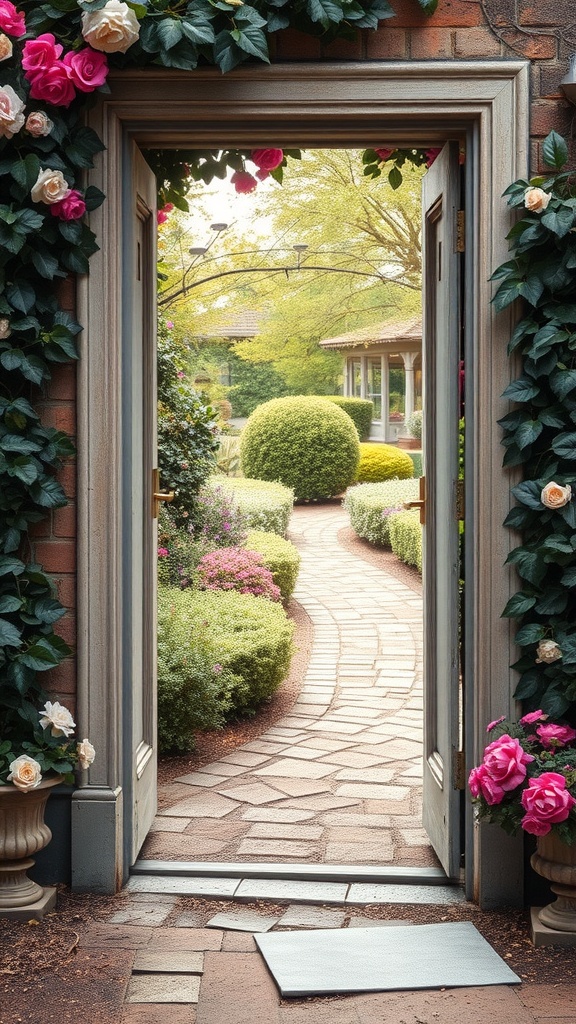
<point x="55" y="538"/>
<point x="535" y="30"/>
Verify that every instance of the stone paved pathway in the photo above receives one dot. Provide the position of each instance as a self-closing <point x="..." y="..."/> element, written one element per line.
<point x="338" y="780"/>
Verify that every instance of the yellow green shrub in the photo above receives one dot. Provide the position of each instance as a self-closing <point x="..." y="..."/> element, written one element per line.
<point x="383" y="462"/>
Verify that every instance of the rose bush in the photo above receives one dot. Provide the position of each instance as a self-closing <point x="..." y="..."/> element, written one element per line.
<point x="527" y="778"/>
<point x="39" y="743"/>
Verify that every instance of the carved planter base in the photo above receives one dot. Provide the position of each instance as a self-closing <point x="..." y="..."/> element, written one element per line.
<point x="556" y="861"/>
<point x="23" y="832"/>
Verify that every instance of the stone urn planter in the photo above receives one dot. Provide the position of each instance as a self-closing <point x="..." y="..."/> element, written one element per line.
<point x="23" y="832"/>
<point x="556" y="861"/>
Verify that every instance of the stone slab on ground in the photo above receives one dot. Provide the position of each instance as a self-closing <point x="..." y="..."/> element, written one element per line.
<point x="163" y="988"/>
<point x="283" y="890"/>
<point x="183" y="886"/>
<point x="362" y="892"/>
<point x="151" y="961"/>
<point x="367" y="959"/>
<point x="237" y="989"/>
<point x="153" y="1013"/>
<point x="298" y="916"/>
<point x="242" y="921"/>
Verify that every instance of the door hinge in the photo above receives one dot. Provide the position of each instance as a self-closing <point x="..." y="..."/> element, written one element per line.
<point x="460" y="499"/>
<point x="459" y="769"/>
<point x="460" y="231"/>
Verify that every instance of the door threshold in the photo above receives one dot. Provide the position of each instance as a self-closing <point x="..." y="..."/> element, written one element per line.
<point x="349" y="873"/>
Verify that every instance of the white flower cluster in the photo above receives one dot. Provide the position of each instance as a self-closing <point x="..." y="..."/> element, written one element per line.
<point x="26" y="772"/>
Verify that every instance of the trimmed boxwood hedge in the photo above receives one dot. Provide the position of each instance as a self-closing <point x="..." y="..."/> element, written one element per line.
<point x="369" y="505"/>
<point x="264" y="505"/>
<point x="360" y="411"/>
<point x="280" y="556"/>
<point x="406" y="537"/>
<point x="380" y="462"/>
<point x="249" y="637"/>
<point x="307" y="443"/>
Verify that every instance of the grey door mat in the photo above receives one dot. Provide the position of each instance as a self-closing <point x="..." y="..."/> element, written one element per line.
<point x="378" y="960"/>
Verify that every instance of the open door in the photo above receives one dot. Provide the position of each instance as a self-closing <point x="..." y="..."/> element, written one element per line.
<point x="441" y="337"/>
<point x="139" y="524"/>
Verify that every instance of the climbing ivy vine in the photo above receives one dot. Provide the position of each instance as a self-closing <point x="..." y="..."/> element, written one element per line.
<point x="540" y="434"/>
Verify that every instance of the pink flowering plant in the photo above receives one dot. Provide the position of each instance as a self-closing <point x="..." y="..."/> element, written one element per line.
<point x="237" y="569"/>
<point x="527" y="778"/>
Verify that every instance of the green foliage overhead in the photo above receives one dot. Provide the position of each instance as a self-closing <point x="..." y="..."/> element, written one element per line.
<point x="309" y="444"/>
<point x="383" y="462"/>
<point x="360" y="411"/>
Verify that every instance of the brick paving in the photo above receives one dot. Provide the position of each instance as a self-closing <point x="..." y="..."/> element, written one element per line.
<point x="210" y="972"/>
<point x="338" y="779"/>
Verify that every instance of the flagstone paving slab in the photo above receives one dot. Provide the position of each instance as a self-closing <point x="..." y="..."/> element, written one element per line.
<point x="163" y="988"/>
<point x="298" y="916"/>
<point x="149" y="961"/>
<point x="243" y="921"/>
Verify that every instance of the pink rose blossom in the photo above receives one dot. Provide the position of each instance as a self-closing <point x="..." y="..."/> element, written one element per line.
<point x="168" y="207"/>
<point x="169" y="324"/>
<point x="481" y="784"/>
<point x="162" y="552"/>
<point x="243" y="182"/>
<point x="267" y="159"/>
<point x="547" y="800"/>
<point x="492" y="725"/>
<point x="11" y="21"/>
<point x="72" y="207"/>
<point x="505" y="761"/>
<point x="384" y="154"/>
<point x="533" y="716"/>
<point x="262" y="175"/>
<point x="552" y="736"/>
<point x="88" y="68"/>
<point x="161" y="217"/>
<point x="535" y="826"/>
<point x="39" y="54"/>
<point x="53" y="85"/>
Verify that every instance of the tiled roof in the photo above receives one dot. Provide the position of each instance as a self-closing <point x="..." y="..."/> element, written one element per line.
<point x="388" y="332"/>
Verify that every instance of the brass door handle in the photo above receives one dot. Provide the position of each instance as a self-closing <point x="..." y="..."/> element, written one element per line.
<point x="157" y="494"/>
<point x="421" y="503"/>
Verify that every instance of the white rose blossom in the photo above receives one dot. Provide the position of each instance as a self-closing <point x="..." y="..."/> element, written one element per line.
<point x="547" y="652"/>
<point x="6" y="47"/>
<point x="51" y="187"/>
<point x="5" y="331"/>
<point x="11" y="116"/>
<point x="536" y="199"/>
<point x="38" y="123"/>
<point x="554" y="495"/>
<point x="112" y="29"/>
<point x="58" y="718"/>
<point x="25" y="773"/>
<point x="86" y="754"/>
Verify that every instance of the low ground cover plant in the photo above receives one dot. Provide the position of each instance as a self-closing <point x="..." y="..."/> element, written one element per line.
<point x="262" y="504"/>
<point x="245" y="635"/>
<point x="306" y="443"/>
<point x="280" y="556"/>
<point x="371" y="506"/>
<point x="380" y="462"/>
<point x="406" y="537"/>
<point x="237" y="569"/>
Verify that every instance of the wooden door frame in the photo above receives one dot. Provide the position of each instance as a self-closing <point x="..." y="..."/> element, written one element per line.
<point x="310" y="105"/>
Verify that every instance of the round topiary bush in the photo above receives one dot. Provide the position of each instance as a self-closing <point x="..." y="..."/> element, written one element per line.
<point x="380" y="462"/>
<point x="306" y="443"/>
<point x="278" y="555"/>
<point x="360" y="410"/>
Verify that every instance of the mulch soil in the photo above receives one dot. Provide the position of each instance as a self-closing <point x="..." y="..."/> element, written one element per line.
<point x="47" y="976"/>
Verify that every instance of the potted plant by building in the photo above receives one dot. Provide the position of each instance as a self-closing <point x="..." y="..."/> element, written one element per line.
<point x="412" y="440"/>
<point x="37" y="752"/>
<point x="527" y="780"/>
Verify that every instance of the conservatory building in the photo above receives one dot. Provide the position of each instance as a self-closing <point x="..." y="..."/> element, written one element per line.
<point x="384" y="364"/>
